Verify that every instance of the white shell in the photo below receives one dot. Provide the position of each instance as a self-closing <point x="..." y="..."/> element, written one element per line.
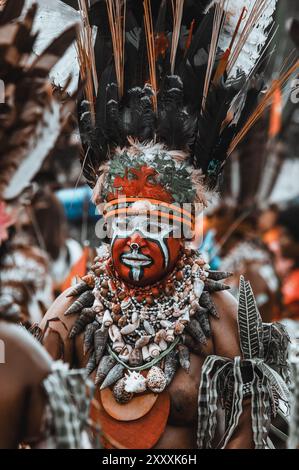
<point x="154" y="350"/>
<point x="161" y="334"/>
<point x="143" y="341"/>
<point x="148" y="327"/>
<point x="163" y="345"/>
<point x="145" y="353"/>
<point x="125" y="352"/>
<point x="134" y="317"/>
<point x="114" y="333"/>
<point x="185" y="318"/>
<point x="125" y="304"/>
<point x="198" y="287"/>
<point x="107" y="319"/>
<point x="98" y="306"/>
<point x="165" y="323"/>
<point x="170" y="336"/>
<point x="135" y="382"/>
<point x="128" y="329"/>
<point x="118" y="345"/>
<point x="195" y="268"/>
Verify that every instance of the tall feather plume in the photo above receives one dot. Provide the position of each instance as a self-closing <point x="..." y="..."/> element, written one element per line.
<point x="217" y="26"/>
<point x="86" y="59"/>
<point x="250" y="323"/>
<point x="177" y="9"/>
<point x="262" y="106"/>
<point x="251" y="38"/>
<point x="117" y="19"/>
<point x="150" y="44"/>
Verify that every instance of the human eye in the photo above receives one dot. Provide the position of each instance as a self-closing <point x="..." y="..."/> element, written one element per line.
<point x="121" y="224"/>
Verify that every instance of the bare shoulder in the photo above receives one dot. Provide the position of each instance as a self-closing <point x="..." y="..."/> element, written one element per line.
<point x="58" y="309"/>
<point x="24" y="353"/>
<point x="56" y="327"/>
<point x="225" y="332"/>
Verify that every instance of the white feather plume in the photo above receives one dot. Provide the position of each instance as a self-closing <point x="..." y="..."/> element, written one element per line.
<point x="256" y="40"/>
<point x="52" y="18"/>
<point x="38" y="148"/>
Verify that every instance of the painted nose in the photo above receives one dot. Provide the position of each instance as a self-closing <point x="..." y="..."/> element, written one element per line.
<point x="134" y="246"/>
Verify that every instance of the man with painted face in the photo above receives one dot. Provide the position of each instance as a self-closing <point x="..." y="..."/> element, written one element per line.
<point x="151" y="322"/>
<point x="148" y="316"/>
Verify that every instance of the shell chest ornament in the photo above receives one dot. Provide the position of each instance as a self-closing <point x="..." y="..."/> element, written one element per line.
<point x="137" y="337"/>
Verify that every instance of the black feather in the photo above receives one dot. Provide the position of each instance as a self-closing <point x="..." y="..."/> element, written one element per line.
<point x="175" y="125"/>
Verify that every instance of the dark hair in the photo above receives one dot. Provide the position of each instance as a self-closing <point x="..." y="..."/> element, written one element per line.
<point x="289" y="219"/>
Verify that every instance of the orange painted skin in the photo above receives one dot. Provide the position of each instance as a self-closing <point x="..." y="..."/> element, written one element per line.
<point x="158" y="267"/>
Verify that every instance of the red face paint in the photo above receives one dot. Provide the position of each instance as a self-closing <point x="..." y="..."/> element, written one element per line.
<point x="141" y="259"/>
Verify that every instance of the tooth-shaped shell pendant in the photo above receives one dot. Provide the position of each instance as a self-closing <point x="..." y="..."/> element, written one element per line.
<point x="198" y="287"/>
<point x="219" y="275"/>
<point x="215" y="286"/>
<point x="107" y="319"/>
<point x="85" y="300"/>
<point x="163" y="345"/>
<point x="130" y="328"/>
<point x="114" y="333"/>
<point x="98" y="306"/>
<point x="113" y="376"/>
<point x="145" y="353"/>
<point x="135" y="382"/>
<point x="185" y="318"/>
<point x="171" y="366"/>
<point x="184" y="357"/>
<point x="87" y="316"/>
<point x="156" y="380"/>
<point x="166" y="323"/>
<point x="134" y="317"/>
<point x="206" y="302"/>
<point x="118" y="345"/>
<point x="100" y="341"/>
<point x="148" y="328"/>
<point x="195" y="330"/>
<point x="143" y="341"/>
<point x="91" y="365"/>
<point x="78" y="289"/>
<point x="106" y="364"/>
<point x="89" y="336"/>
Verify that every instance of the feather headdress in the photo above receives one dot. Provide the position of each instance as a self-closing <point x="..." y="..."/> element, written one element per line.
<point x="175" y="73"/>
<point x="31" y="117"/>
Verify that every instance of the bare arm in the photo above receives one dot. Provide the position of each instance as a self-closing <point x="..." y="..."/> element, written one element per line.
<point x="22" y="399"/>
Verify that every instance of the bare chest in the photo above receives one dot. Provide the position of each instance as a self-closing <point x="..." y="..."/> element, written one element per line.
<point x="184" y="394"/>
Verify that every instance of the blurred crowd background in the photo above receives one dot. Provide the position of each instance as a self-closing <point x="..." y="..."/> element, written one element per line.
<point x="251" y="225"/>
